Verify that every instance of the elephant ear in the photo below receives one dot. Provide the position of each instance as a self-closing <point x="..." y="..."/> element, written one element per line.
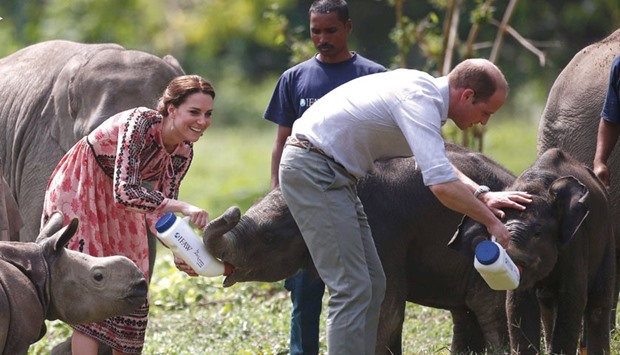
<point x="60" y="110"/>
<point x="467" y="236"/>
<point x="571" y="201"/>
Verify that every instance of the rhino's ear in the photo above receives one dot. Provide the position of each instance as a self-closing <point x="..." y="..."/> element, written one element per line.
<point x="53" y="224"/>
<point x="571" y="198"/>
<point x="173" y="62"/>
<point x="66" y="234"/>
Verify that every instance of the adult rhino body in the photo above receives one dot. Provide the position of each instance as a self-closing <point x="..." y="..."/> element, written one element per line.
<point x="52" y="94"/>
<point x="44" y="280"/>
<point x="411" y="229"/>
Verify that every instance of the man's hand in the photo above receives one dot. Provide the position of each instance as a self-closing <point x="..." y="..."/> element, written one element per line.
<point x="496" y="200"/>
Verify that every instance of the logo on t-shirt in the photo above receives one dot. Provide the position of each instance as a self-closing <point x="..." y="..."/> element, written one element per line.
<point x="305" y="103"/>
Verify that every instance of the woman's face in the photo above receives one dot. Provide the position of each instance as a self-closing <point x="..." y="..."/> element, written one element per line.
<point x="191" y="118"/>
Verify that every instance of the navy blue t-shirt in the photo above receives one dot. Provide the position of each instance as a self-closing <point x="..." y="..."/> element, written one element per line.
<point x="611" y="108"/>
<point x="300" y="86"/>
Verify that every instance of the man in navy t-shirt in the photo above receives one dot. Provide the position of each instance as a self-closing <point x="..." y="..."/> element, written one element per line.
<point x="297" y="89"/>
<point x="609" y="126"/>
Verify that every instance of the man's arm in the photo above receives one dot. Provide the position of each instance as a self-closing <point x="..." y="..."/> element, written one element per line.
<point x="276" y="153"/>
<point x="457" y="196"/>
<point x="496" y="200"/>
<point x="606" y="139"/>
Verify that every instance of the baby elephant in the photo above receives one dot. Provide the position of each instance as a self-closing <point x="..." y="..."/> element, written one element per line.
<point x="563" y="241"/>
<point x="44" y="280"/>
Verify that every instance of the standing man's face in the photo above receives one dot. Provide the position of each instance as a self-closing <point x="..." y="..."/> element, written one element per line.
<point x="329" y="36"/>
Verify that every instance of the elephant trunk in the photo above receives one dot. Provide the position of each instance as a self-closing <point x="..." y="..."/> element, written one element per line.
<point x="213" y="232"/>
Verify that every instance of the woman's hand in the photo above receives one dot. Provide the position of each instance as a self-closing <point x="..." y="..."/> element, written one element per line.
<point x="198" y="216"/>
<point x="182" y="265"/>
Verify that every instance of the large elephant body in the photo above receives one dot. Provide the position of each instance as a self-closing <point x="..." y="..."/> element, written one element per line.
<point x="411" y="229"/>
<point x="52" y="94"/>
<point x="564" y="244"/>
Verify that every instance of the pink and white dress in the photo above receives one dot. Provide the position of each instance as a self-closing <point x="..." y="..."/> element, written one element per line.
<point x="116" y="182"/>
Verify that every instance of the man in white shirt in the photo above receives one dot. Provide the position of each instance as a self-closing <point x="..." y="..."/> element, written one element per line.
<point x="392" y="114"/>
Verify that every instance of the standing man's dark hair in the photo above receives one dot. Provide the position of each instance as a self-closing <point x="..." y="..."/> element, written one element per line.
<point x="340" y="7"/>
<point x="297" y="89"/>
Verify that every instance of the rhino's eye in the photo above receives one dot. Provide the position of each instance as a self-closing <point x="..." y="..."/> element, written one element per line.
<point x="98" y="276"/>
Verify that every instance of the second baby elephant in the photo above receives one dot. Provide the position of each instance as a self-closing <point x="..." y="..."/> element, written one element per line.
<point x="411" y="229"/>
<point x="564" y="244"/>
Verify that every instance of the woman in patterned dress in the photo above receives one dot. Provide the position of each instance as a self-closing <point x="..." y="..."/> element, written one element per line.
<point x="125" y="173"/>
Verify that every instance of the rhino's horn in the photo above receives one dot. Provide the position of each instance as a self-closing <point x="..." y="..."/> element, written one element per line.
<point x="223" y="223"/>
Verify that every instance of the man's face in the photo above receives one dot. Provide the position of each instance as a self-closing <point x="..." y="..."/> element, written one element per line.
<point x="470" y="113"/>
<point x="329" y="36"/>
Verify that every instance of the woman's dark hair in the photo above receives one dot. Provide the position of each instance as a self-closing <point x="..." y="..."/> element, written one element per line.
<point x="180" y="88"/>
<point x="340" y="7"/>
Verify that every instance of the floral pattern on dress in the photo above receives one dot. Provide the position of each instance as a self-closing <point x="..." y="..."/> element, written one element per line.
<point x="116" y="181"/>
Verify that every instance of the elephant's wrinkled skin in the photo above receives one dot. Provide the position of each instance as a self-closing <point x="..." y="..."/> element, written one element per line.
<point x="564" y="243"/>
<point x="54" y="93"/>
<point x="572" y="113"/>
<point x="44" y="280"/>
<point x="411" y="230"/>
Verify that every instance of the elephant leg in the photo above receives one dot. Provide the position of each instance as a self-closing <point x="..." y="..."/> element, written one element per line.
<point x="389" y="333"/>
<point x="596" y="324"/>
<point x="523" y="322"/>
<point x="467" y="336"/>
<point x="567" y="326"/>
<point x="596" y="330"/>
<point x="547" y="317"/>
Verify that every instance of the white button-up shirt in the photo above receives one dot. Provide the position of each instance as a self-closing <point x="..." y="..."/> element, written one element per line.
<point x="393" y="114"/>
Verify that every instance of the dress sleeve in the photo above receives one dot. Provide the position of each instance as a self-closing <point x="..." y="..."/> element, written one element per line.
<point x="133" y="135"/>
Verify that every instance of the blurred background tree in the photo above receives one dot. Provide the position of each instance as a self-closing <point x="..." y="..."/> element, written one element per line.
<point x="244" y="45"/>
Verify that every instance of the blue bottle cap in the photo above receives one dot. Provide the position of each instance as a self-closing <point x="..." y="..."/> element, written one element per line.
<point x="165" y="222"/>
<point x="487" y="252"/>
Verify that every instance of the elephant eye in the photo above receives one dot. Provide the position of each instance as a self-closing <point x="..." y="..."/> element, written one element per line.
<point x="268" y="238"/>
<point x="98" y="276"/>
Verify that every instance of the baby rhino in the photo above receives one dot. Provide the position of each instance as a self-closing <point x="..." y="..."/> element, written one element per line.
<point x="44" y="280"/>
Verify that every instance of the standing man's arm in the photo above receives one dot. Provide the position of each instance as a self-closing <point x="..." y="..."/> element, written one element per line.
<point x="606" y="139"/>
<point x="276" y="153"/>
<point x="609" y="127"/>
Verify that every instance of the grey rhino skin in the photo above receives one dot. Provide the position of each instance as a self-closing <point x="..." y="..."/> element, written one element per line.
<point x="564" y="243"/>
<point x="52" y="94"/>
<point x="44" y="280"/>
<point x="10" y="218"/>
<point x="572" y="113"/>
<point x="411" y="229"/>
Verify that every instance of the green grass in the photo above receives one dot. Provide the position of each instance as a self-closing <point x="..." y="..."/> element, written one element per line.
<point x="197" y="315"/>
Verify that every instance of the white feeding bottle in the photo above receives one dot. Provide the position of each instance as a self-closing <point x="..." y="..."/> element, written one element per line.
<point x="179" y="236"/>
<point x="495" y="266"/>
